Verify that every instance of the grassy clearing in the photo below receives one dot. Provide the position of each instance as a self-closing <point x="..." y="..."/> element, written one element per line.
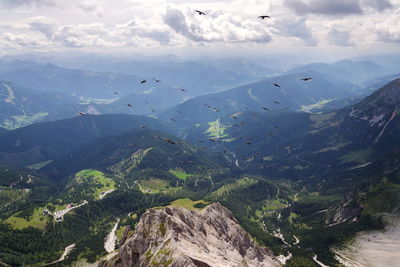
<point x="19" y="121"/>
<point x="95" y="180"/>
<point x="319" y="104"/>
<point x="180" y="174"/>
<point x="332" y="148"/>
<point x="268" y="158"/>
<point x="217" y="129"/>
<point x="187" y="203"/>
<point x="39" y="165"/>
<point x="154" y="185"/>
<point x="37" y="220"/>
<point x="120" y="231"/>
<point x="359" y="156"/>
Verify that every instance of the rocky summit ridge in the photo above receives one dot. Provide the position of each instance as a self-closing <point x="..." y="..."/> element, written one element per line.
<point x="177" y="237"/>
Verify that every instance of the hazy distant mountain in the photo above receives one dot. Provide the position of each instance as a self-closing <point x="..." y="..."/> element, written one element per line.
<point x="46" y="141"/>
<point x="347" y="70"/>
<point x="79" y="83"/>
<point x="138" y="104"/>
<point x="197" y="78"/>
<point x="377" y="83"/>
<point x="293" y="94"/>
<point x="241" y="67"/>
<point x="20" y="106"/>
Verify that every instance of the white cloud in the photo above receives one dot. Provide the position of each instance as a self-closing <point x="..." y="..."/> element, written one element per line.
<point x="17" y="3"/>
<point x="173" y="23"/>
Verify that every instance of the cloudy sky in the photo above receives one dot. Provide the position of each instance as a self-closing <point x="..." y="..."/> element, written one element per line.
<point x="116" y="25"/>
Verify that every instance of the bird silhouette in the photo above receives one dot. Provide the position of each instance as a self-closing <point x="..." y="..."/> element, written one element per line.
<point x="306" y="79"/>
<point x="264" y="17"/>
<point x="129" y="105"/>
<point x="276" y="102"/>
<point x="167" y="140"/>
<point x="264" y="108"/>
<point x="81" y="113"/>
<point x="142" y="82"/>
<point x="157" y="81"/>
<point x="276" y="85"/>
<point x="200" y="12"/>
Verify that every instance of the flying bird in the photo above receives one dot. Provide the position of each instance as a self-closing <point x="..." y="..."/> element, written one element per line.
<point x="172" y="119"/>
<point x="81" y="113"/>
<point x="264" y="17"/>
<point x="142" y="82"/>
<point x="200" y="12"/>
<point x="183" y="90"/>
<point x="129" y="105"/>
<point x="276" y="85"/>
<point x="167" y="140"/>
<point x="264" y="108"/>
<point x="115" y="93"/>
<point x="276" y="102"/>
<point x="157" y="81"/>
<point x="306" y="79"/>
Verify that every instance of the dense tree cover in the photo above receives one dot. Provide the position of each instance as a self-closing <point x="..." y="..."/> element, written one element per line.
<point x="87" y="228"/>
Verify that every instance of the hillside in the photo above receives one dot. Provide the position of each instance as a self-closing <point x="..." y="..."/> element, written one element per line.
<point x="43" y="142"/>
<point x="304" y="144"/>
<point x="293" y="94"/>
<point x="21" y="106"/>
<point x="138" y="153"/>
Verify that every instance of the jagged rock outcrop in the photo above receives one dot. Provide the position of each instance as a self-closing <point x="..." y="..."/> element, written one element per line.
<point x="347" y="209"/>
<point x="180" y="238"/>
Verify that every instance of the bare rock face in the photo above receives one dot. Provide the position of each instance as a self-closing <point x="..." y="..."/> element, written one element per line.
<point x="179" y="237"/>
<point x="347" y="209"/>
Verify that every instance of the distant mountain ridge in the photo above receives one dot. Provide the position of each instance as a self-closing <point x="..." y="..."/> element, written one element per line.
<point x="79" y="83"/>
<point x="291" y="93"/>
<point x="48" y="140"/>
<point x="21" y="106"/>
<point x="347" y="70"/>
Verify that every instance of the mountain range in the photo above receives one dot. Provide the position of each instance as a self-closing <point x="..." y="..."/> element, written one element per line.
<point x="252" y="175"/>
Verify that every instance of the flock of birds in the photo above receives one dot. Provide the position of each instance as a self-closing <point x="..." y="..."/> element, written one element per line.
<point x="215" y="109"/>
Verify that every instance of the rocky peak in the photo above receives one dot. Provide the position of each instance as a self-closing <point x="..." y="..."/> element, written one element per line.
<point x="379" y="109"/>
<point x="177" y="237"/>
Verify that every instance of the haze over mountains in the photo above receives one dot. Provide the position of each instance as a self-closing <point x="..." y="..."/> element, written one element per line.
<point x="300" y="159"/>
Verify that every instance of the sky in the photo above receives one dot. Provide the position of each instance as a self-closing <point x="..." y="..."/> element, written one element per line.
<point x="294" y="26"/>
